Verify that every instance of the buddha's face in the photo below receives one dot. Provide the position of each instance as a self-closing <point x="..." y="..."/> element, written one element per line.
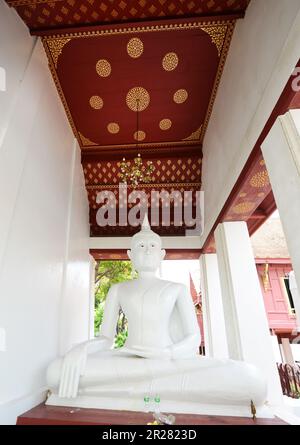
<point x="146" y="253"/>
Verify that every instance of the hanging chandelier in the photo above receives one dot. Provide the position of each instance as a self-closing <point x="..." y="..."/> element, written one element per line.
<point x="136" y="173"/>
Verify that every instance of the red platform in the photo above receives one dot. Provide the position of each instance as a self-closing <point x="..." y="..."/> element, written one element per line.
<point x="56" y="415"/>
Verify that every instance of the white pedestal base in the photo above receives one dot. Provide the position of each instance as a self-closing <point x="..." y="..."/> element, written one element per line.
<point x="166" y="406"/>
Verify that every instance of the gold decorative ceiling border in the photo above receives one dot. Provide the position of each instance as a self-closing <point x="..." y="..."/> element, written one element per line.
<point x="86" y="141"/>
<point x="61" y="94"/>
<point x="195" y="136"/>
<point x="55" y="47"/>
<point x="226" y="44"/>
<point x="206" y="26"/>
<point x="150" y="185"/>
<point x="221" y="39"/>
<point x="142" y="146"/>
<point x="217" y="36"/>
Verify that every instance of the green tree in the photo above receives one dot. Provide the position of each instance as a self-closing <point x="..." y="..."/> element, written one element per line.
<point x="108" y="273"/>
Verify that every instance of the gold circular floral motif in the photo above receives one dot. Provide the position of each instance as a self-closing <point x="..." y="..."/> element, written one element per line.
<point x="137" y="99"/>
<point x="103" y="68"/>
<point x="180" y="96"/>
<point x="244" y="207"/>
<point x="165" y="124"/>
<point x="135" y="47"/>
<point x="113" y="128"/>
<point x="170" y="61"/>
<point x="96" y="102"/>
<point x="260" y="180"/>
<point x="139" y="135"/>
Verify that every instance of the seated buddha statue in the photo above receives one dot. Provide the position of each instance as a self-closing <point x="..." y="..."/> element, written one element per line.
<point x="160" y="356"/>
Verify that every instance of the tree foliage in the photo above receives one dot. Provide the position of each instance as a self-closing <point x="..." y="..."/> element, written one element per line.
<point x="108" y="273"/>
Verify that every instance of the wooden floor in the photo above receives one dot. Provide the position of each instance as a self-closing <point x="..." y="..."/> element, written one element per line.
<point x="56" y="415"/>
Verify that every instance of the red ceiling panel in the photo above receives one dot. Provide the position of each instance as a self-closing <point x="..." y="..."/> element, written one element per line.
<point x="173" y="69"/>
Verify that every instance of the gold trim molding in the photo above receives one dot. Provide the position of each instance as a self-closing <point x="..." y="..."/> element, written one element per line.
<point x="152" y="185"/>
<point x="55" y="47"/>
<point x="216" y="28"/>
<point x="194" y="136"/>
<point x="61" y="95"/>
<point x="85" y="141"/>
<point x="144" y="146"/>
<point x="227" y="40"/>
<point x="217" y="35"/>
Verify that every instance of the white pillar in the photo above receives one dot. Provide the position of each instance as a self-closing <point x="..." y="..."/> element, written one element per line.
<point x="276" y="349"/>
<point x="281" y="150"/>
<point x="287" y="351"/>
<point x="212" y="306"/>
<point x="246" y="322"/>
<point x="91" y="332"/>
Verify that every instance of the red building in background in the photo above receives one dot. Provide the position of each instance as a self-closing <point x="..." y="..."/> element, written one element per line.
<point x="273" y="267"/>
<point x="273" y="275"/>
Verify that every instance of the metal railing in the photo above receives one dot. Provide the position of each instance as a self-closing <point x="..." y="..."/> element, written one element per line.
<point x="290" y="379"/>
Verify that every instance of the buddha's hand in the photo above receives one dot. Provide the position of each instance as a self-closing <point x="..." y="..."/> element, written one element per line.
<point x="153" y="353"/>
<point x="73" y="367"/>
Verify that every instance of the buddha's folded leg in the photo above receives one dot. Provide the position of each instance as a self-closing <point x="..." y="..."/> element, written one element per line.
<point x="114" y="367"/>
<point x="208" y="380"/>
<point x="225" y="382"/>
<point x="234" y="383"/>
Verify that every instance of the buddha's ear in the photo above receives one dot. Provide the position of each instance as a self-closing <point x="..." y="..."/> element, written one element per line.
<point x="129" y="254"/>
<point x="162" y="253"/>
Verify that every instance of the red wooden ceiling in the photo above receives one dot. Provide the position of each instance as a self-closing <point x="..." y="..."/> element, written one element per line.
<point x="41" y="14"/>
<point x="173" y="68"/>
<point x="254" y="201"/>
<point x="176" y="65"/>
<point x="100" y="63"/>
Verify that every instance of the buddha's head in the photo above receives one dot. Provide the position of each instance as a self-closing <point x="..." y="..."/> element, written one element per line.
<point x="146" y="253"/>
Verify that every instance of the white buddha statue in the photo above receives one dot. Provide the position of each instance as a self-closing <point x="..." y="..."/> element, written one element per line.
<point x="160" y="356"/>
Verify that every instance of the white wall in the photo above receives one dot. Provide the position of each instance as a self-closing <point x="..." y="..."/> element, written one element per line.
<point x="16" y="45"/>
<point x="264" y="51"/>
<point x="44" y="255"/>
<point x="276" y="349"/>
